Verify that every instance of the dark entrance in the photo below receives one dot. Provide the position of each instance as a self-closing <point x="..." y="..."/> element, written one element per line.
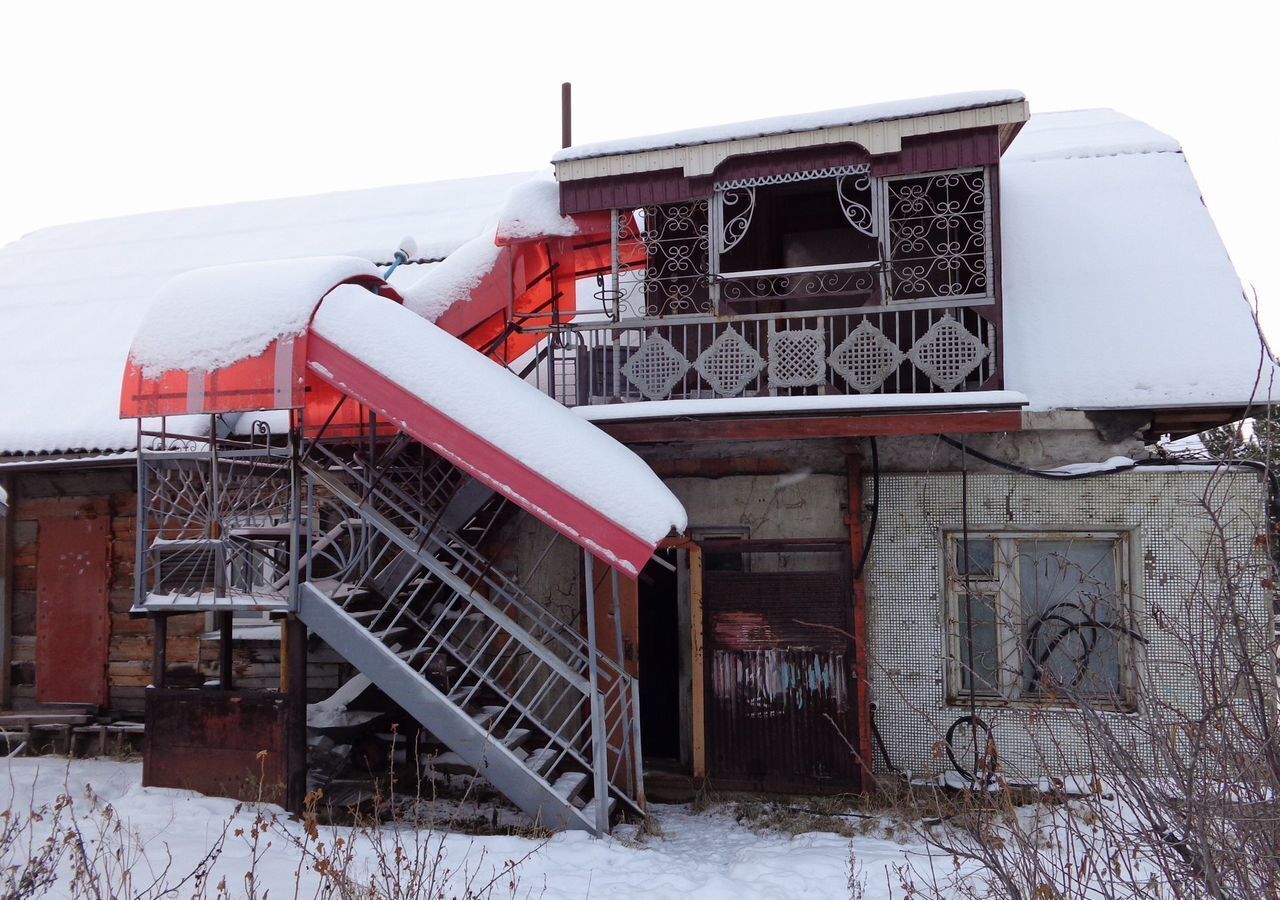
<point x="779" y="708"/>
<point x="658" y="613"/>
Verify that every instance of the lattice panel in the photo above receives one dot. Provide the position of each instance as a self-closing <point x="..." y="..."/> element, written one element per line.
<point x="797" y="357"/>
<point x="655" y="368"/>
<point x="729" y="363"/>
<point x="948" y="352"/>
<point x="866" y="357"/>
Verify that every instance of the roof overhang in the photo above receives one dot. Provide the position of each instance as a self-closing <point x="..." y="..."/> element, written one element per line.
<point x="794" y="418"/>
<point x="877" y="136"/>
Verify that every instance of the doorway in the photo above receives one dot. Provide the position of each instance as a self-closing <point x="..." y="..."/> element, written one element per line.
<point x="659" y="657"/>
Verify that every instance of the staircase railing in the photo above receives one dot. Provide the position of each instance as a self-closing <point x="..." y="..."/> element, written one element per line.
<point x="467" y="616"/>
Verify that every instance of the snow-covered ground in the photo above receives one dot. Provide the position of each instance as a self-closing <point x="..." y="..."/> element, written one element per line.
<point x="706" y="855"/>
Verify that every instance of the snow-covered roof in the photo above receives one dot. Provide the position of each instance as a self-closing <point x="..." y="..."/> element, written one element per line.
<point x="73" y="296"/>
<point x="830" y="118"/>
<point x="1118" y="291"/>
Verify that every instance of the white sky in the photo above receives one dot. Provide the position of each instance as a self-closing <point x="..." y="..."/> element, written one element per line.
<point x="123" y="107"/>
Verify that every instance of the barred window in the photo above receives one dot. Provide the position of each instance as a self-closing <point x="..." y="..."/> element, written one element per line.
<point x="1045" y="618"/>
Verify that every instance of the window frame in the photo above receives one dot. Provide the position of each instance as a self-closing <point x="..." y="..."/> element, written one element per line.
<point x="1004" y="584"/>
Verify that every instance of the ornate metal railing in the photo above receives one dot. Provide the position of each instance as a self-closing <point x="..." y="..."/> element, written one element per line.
<point x="900" y="349"/>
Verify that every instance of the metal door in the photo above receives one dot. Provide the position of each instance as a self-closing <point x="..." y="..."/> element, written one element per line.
<point x="73" y="574"/>
<point x="778" y="616"/>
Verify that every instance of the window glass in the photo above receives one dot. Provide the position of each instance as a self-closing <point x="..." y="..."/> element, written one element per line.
<point x="975" y="558"/>
<point x="979" y="660"/>
<point x="1069" y="611"/>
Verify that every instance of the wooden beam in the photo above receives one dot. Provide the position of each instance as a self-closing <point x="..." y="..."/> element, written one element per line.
<point x="861" y="687"/>
<point x="6" y="589"/>
<point x="775" y="428"/>
<point x="159" y="649"/>
<point x="225" y="630"/>
<point x="698" y="668"/>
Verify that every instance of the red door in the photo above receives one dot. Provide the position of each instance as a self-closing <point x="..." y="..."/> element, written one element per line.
<point x="73" y="574"/>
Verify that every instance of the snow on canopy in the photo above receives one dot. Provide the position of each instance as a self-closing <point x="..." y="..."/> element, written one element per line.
<point x="73" y="296"/>
<point x="1118" y="291"/>
<point x="209" y="318"/>
<point x="830" y="118"/>
<point x="500" y="408"/>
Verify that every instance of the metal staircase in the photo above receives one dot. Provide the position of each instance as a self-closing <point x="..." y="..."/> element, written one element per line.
<point x="517" y="695"/>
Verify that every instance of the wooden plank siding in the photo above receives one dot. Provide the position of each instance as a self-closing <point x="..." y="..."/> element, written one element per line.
<point x="38" y="500"/>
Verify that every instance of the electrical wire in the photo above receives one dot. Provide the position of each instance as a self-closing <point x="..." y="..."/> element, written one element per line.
<point x="875" y="511"/>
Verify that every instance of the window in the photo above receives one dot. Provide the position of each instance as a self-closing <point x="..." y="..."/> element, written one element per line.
<point x="1043" y="618"/>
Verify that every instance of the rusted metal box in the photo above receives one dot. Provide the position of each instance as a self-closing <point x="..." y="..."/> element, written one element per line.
<point x="222" y="743"/>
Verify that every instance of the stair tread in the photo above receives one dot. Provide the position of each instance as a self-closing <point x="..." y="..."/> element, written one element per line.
<point x="568" y="784"/>
<point x="515" y="737"/>
<point x="539" y="760"/>
<point x="589" y="809"/>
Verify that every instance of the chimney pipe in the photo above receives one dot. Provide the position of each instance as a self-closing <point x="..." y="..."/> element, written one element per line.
<point x="566" y="114"/>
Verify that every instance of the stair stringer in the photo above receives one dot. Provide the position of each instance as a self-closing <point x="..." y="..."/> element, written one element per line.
<point x="446" y="721"/>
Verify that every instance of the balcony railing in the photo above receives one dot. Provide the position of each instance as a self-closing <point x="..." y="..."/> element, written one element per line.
<point x="906" y="348"/>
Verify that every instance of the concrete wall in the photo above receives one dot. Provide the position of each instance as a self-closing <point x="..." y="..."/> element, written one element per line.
<point x="1177" y="569"/>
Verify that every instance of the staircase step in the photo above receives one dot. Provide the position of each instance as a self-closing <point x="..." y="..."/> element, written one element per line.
<point x="540" y="760"/>
<point x="568" y="784"/>
<point x="460" y="694"/>
<point x="515" y="738"/>
<point x="486" y="715"/>
<point x="449" y="763"/>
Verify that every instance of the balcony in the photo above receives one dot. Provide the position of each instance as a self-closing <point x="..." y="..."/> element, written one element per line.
<point x="830" y="282"/>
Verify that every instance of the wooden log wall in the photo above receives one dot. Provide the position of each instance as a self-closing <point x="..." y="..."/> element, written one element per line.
<point x="40" y="497"/>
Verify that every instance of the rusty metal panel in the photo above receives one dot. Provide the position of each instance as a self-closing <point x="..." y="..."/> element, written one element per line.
<point x="779" y="711"/>
<point x="213" y="742"/>
<point x="73" y="576"/>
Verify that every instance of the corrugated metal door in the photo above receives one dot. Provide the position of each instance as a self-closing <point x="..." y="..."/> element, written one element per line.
<point x="779" y="713"/>
<point x="73" y="574"/>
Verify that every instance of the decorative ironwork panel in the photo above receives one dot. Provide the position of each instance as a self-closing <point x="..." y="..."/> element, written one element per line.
<point x="855" y="196"/>
<point x="674" y="243"/>
<point x="736" y="207"/>
<point x="656" y="367"/>
<point x="797" y="357"/>
<point x="882" y="350"/>
<point x="729" y="364"/>
<point x="797" y="284"/>
<point x="866" y="357"/>
<point x="948" y="352"/>
<point x="937" y="237"/>
<point x="789" y="177"/>
<point x="216" y="528"/>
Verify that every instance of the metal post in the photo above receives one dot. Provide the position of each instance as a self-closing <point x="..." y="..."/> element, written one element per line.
<point x="616" y="585"/>
<point x="615" y="386"/>
<point x="295" y="507"/>
<point x="566" y="115"/>
<point x="600" y="762"/>
<point x="295" y="638"/>
<point x="637" y="752"/>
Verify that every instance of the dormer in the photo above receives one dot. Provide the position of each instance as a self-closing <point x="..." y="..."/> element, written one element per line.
<point x="872" y="232"/>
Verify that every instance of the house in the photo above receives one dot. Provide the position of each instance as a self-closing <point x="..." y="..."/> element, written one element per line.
<point x="806" y="450"/>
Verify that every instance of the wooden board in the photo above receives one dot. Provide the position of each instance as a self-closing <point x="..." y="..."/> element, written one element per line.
<point x="73" y="574"/>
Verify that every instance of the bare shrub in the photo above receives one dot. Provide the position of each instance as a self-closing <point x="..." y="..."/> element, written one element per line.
<point x="1173" y="794"/>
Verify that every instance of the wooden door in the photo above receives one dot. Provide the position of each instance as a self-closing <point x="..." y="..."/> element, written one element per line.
<point x="73" y="575"/>
<point x="779" y="708"/>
